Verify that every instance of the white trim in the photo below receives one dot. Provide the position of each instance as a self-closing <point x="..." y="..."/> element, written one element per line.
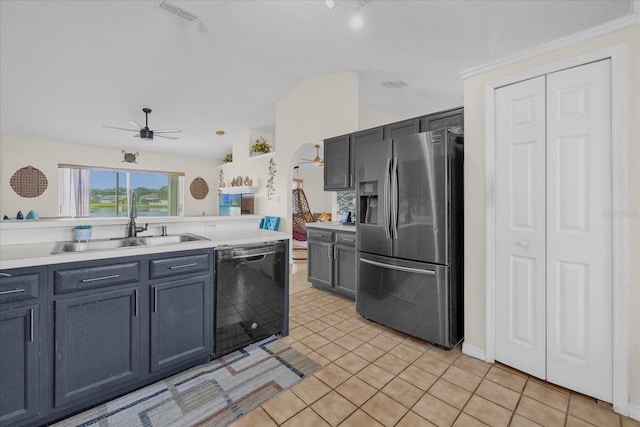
<point x="473" y="351"/>
<point x="634" y="411"/>
<point x="572" y="39"/>
<point x="618" y="56"/>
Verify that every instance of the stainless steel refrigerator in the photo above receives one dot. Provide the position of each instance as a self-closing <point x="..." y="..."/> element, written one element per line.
<point x="410" y="234"/>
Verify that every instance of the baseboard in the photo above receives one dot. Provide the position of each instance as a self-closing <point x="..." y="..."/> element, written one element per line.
<point x="473" y="351"/>
<point x="634" y="411"/>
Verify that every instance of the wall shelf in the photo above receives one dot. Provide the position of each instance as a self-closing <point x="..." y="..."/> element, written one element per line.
<point x="238" y="190"/>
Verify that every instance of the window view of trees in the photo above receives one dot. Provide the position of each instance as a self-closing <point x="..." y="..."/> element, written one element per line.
<point x="100" y="192"/>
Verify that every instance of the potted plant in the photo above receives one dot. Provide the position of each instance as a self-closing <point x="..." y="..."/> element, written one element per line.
<point x="261" y="146"/>
<point x="228" y="158"/>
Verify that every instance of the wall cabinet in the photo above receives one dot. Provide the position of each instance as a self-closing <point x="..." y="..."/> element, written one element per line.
<point x="337" y="163"/>
<point x="19" y="344"/>
<point x="332" y="261"/>
<point x="339" y="152"/>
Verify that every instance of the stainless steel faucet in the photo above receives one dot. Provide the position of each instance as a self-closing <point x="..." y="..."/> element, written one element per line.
<point x="133" y="214"/>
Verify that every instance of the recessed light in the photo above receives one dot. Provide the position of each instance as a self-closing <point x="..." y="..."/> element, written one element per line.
<point x="220" y="132"/>
<point x="356" y="21"/>
<point x="331" y="4"/>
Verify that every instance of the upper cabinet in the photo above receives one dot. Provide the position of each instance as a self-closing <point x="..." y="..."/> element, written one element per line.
<point x="339" y="152"/>
<point x="337" y="163"/>
<point x="445" y="119"/>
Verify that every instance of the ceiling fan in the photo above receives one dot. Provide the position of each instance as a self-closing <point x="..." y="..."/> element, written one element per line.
<point x="144" y="132"/>
<point x="317" y="161"/>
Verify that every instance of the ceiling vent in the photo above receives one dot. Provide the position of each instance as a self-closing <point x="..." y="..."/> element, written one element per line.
<point x="393" y="84"/>
<point x="178" y="11"/>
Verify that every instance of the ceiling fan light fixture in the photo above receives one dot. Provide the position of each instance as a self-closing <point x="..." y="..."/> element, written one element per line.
<point x="146" y="134"/>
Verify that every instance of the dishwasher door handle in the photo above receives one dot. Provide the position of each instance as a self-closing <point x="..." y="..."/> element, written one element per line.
<point x="262" y="254"/>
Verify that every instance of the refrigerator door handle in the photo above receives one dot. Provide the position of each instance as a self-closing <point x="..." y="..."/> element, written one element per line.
<point x="387" y="208"/>
<point x="394" y="198"/>
<point x="399" y="267"/>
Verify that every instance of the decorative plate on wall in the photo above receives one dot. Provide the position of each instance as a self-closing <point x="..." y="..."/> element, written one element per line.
<point x="29" y="182"/>
<point x="199" y="188"/>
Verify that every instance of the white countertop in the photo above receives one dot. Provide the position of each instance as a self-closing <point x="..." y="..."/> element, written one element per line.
<point x="335" y="226"/>
<point x="32" y="254"/>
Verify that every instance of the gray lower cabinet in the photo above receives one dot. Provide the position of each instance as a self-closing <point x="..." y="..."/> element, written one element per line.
<point x="331" y="261"/>
<point x="97" y="343"/>
<point x="20" y="344"/>
<point x="181" y="321"/>
<point x="18" y="364"/>
<point x="320" y="257"/>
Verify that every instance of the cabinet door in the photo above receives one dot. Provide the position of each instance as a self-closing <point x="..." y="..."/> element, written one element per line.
<point x="362" y="137"/>
<point x="320" y="263"/>
<point x="403" y="128"/>
<point x="345" y="269"/>
<point x="181" y="321"/>
<point x="336" y="163"/>
<point x="445" y="119"/>
<point x="96" y="343"/>
<point x="18" y="364"/>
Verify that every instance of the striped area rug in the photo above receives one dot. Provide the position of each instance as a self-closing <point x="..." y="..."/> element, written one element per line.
<point x="212" y="394"/>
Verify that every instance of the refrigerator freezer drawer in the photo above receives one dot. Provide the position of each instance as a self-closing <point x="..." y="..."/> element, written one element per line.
<point x="410" y="297"/>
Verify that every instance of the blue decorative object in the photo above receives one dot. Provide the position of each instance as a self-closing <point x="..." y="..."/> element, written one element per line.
<point x="33" y="215"/>
<point x="82" y="233"/>
<point x="19" y="215"/>
<point x="5" y="218"/>
<point x="270" y="223"/>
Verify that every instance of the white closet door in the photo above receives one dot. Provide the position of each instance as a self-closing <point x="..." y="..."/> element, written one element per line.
<point x="579" y="230"/>
<point x="520" y="336"/>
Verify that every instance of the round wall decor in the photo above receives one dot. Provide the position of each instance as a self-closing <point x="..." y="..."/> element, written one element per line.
<point x="29" y="182"/>
<point x="199" y="188"/>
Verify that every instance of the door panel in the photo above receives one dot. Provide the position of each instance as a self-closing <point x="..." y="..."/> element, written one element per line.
<point x="520" y="336"/>
<point x="579" y="239"/>
<point x="422" y="197"/>
<point x="373" y="196"/>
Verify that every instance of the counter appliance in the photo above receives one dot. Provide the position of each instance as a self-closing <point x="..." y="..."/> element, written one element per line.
<point x="410" y="234"/>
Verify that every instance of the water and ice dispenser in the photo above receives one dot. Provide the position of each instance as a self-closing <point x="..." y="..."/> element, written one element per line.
<point x="368" y="205"/>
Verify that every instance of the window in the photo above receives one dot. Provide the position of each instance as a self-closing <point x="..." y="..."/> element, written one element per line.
<point x="100" y="192"/>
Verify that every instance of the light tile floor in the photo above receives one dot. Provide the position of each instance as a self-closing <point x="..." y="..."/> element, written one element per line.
<point x="375" y="376"/>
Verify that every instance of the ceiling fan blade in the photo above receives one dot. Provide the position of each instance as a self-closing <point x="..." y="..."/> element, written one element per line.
<point x="113" y="127"/>
<point x="165" y="136"/>
<point x="167" y="131"/>
<point x="308" y="160"/>
<point x="135" y="124"/>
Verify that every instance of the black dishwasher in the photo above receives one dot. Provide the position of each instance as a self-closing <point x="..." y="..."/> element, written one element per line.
<point x="250" y="294"/>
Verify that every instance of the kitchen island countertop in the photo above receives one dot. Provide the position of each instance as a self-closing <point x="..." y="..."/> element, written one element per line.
<point x="33" y="254"/>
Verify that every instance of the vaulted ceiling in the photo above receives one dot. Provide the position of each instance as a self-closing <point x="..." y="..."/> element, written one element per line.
<point x="69" y="67"/>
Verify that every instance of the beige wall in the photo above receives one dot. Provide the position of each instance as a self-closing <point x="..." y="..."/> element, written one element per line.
<point x="16" y="152"/>
<point x="474" y="104"/>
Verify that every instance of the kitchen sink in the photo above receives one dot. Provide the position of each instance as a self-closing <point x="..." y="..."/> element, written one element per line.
<point x="126" y="242"/>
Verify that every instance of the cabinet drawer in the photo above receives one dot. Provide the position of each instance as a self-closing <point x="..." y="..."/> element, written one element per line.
<point x="78" y="279"/>
<point x="174" y="266"/>
<point x="315" y="234"/>
<point x="18" y="287"/>
<point x="346" y="239"/>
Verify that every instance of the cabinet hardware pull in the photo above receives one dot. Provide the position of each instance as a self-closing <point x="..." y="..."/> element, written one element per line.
<point x="329" y="251"/>
<point x="5" y="275"/>
<point x="155" y="298"/>
<point x="351" y="180"/>
<point x="12" y="291"/>
<point x="348" y="240"/>
<point x="173" y="267"/>
<point x="135" y="303"/>
<point x="316" y="234"/>
<point x="95" y="279"/>
<point x="31" y="325"/>
<point x="400" y="268"/>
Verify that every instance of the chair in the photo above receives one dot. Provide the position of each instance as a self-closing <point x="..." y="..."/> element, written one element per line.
<point x="270" y="223"/>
